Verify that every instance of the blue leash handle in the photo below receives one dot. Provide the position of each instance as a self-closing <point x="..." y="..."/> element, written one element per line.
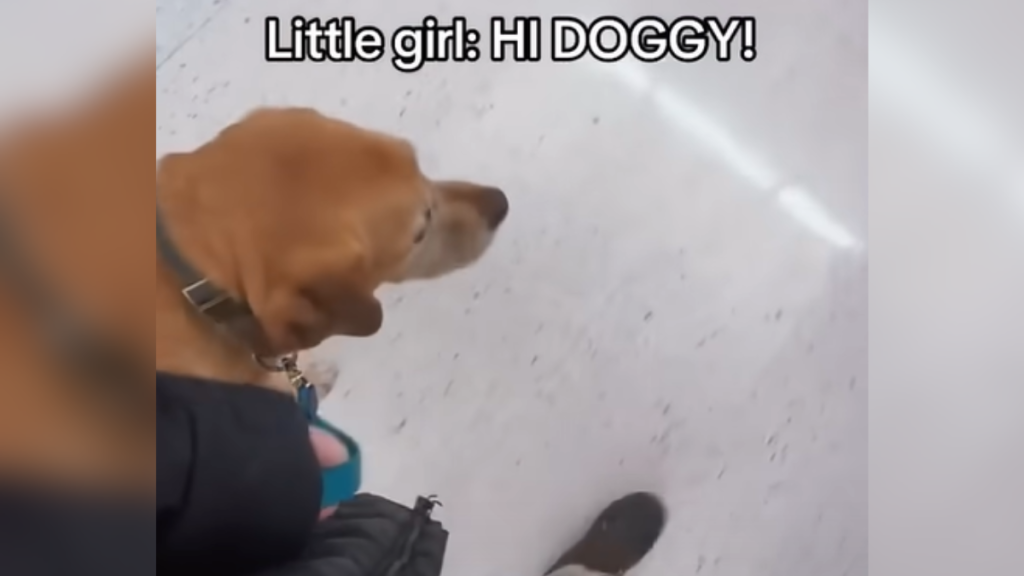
<point x="341" y="482"/>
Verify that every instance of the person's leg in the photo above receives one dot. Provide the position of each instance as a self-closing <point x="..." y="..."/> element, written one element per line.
<point x="618" y="540"/>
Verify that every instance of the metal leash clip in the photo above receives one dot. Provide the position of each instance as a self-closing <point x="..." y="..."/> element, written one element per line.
<point x="305" y="392"/>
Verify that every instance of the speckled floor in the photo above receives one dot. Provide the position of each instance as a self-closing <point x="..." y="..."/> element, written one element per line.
<point x="677" y="303"/>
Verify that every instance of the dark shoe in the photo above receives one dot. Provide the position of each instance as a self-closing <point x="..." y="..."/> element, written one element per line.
<point x="620" y="537"/>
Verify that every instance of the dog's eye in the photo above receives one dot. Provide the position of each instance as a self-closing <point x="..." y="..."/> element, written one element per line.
<point x="422" y="234"/>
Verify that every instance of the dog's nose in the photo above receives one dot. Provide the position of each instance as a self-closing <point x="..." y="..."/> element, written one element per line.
<point x="494" y="207"/>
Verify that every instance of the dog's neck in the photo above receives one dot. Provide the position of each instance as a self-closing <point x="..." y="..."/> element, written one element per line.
<point x="79" y="186"/>
<point x="187" y="341"/>
<point x="189" y="344"/>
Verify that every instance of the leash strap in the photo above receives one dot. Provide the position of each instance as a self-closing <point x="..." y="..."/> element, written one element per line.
<point x="340" y="483"/>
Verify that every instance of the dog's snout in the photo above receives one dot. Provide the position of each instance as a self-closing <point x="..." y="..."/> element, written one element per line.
<point x="494" y="205"/>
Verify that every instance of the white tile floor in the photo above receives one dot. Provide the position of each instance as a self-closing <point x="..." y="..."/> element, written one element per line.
<point x="677" y="303"/>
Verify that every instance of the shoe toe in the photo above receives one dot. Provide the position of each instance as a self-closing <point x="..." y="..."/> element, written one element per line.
<point x="620" y="537"/>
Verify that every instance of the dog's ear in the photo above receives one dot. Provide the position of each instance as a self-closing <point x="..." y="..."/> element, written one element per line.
<point x="356" y="312"/>
<point x="335" y="299"/>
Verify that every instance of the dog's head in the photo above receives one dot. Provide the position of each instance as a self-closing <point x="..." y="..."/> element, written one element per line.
<point x="304" y="217"/>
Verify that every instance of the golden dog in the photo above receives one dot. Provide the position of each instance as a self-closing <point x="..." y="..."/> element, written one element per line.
<point x="297" y="216"/>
